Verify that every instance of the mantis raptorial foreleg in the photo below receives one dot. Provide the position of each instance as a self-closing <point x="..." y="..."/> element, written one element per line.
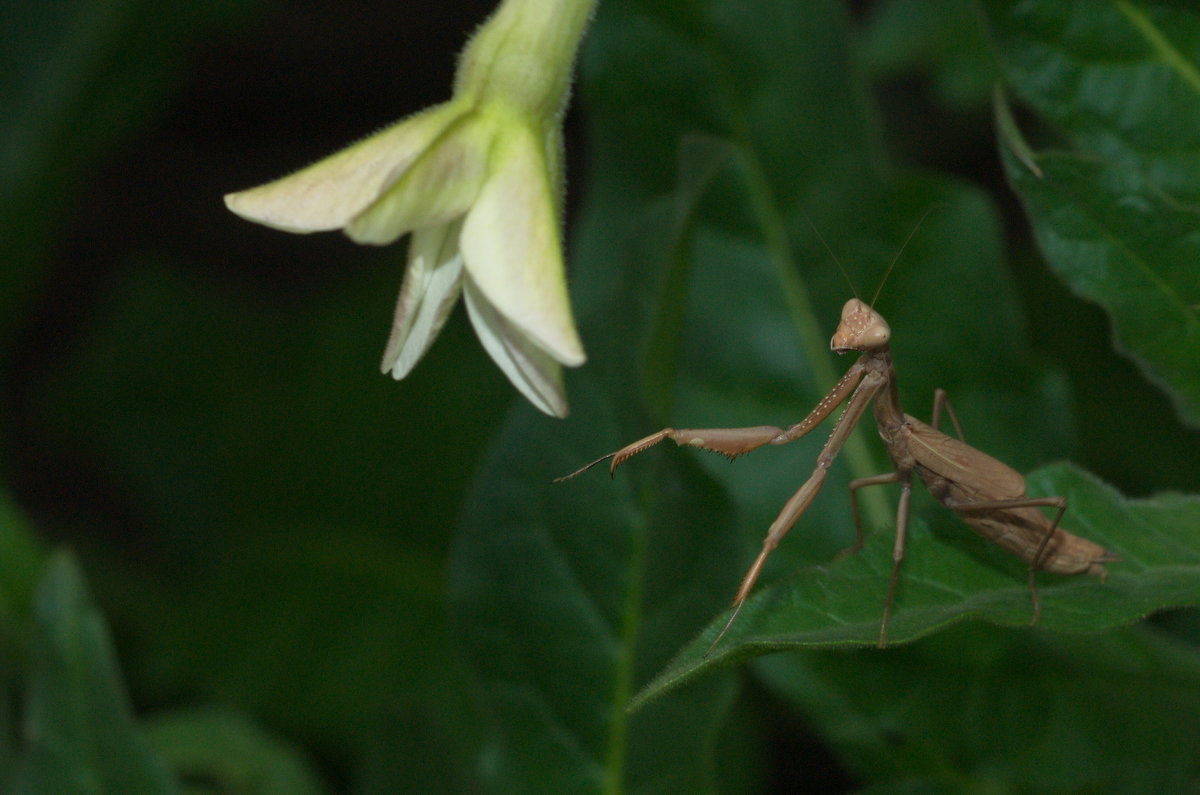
<point x="733" y="442"/>
<point x="730" y="442"/>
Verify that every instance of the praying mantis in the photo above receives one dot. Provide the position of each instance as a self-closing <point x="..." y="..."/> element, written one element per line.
<point x="985" y="493"/>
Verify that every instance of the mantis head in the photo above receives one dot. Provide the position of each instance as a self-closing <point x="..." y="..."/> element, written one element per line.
<point x="861" y="329"/>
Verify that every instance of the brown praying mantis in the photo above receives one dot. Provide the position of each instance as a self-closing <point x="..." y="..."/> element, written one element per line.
<point x="988" y="495"/>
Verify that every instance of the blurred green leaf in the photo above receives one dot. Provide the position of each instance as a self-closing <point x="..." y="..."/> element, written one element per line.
<point x="22" y="557"/>
<point x="1118" y="217"/>
<point x="984" y="710"/>
<point x="78" y="729"/>
<point x="291" y="522"/>
<point x="945" y="580"/>
<point x="939" y="37"/>
<point x="76" y="77"/>
<point x="253" y="421"/>
<point x="218" y="751"/>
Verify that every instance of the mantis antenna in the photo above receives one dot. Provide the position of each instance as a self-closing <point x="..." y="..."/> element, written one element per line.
<point x="896" y="259"/>
<point x="832" y="256"/>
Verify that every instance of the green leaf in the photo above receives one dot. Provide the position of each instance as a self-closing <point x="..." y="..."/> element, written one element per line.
<point x="293" y="524"/>
<point x="1119" y="240"/>
<point x="223" y="752"/>
<point x="22" y="556"/>
<point x="984" y="710"/>
<point x="1118" y="217"/>
<point x="1118" y="80"/>
<point x="949" y="576"/>
<point x="941" y="37"/>
<point x="78" y="729"/>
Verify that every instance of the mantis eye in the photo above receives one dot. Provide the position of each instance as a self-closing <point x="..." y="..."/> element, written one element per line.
<point x="876" y="334"/>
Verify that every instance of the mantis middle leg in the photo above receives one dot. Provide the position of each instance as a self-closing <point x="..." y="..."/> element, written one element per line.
<point x="902" y="511"/>
<point x="940" y="399"/>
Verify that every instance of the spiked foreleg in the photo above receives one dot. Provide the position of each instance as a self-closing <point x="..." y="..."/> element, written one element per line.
<point x="733" y="442"/>
<point x="730" y="442"/>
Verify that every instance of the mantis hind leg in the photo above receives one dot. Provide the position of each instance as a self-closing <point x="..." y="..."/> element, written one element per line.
<point x="902" y="510"/>
<point x="905" y="480"/>
<point x="1043" y="548"/>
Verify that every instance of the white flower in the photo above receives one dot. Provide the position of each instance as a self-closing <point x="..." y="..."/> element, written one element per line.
<point x="477" y="182"/>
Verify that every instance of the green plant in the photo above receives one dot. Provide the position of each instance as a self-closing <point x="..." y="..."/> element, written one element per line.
<point x="304" y="561"/>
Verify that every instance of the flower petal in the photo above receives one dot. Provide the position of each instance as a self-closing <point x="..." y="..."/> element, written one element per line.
<point x="331" y="192"/>
<point x="530" y="369"/>
<point x="432" y="284"/>
<point x="511" y="246"/>
<point x="439" y="186"/>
